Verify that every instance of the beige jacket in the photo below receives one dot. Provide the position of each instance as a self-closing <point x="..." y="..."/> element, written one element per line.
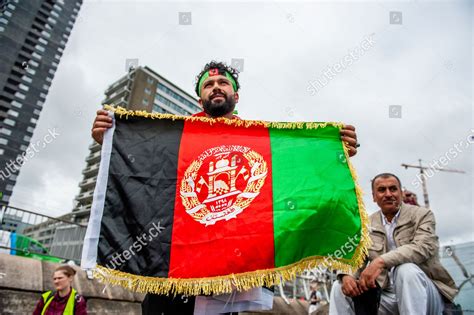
<point x="416" y="243"/>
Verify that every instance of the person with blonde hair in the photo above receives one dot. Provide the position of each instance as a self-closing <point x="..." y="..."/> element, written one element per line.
<point x="65" y="300"/>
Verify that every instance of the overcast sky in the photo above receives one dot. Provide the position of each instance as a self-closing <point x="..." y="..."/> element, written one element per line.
<point x="423" y="66"/>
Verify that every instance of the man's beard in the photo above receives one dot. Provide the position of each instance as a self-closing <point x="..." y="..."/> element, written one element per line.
<point x="219" y="109"/>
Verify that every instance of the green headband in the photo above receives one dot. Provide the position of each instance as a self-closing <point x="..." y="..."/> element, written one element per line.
<point x="206" y="75"/>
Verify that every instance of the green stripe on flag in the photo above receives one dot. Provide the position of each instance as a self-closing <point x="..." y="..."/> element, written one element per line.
<point x="314" y="198"/>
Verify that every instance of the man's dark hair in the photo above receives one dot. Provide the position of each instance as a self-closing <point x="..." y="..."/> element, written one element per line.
<point x="222" y="68"/>
<point x="386" y="175"/>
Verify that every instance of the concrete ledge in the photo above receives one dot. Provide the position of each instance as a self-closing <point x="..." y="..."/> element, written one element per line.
<point x="99" y="306"/>
<point x="18" y="302"/>
<point x="281" y="308"/>
<point x="37" y="276"/>
<point x="21" y="273"/>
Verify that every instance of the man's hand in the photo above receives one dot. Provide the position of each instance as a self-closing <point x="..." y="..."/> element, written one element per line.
<point x="349" y="136"/>
<point x="102" y="122"/>
<point x="369" y="275"/>
<point x="350" y="286"/>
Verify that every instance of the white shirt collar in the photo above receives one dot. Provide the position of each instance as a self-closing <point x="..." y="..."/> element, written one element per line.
<point x="394" y="220"/>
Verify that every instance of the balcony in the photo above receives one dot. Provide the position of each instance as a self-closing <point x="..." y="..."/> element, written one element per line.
<point x="91" y="170"/>
<point x="94" y="146"/>
<point x="85" y="197"/>
<point x="88" y="183"/>
<point x="94" y="157"/>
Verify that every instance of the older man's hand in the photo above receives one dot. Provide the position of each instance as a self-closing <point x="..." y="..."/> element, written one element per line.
<point x="349" y="136"/>
<point x="350" y="286"/>
<point x="371" y="272"/>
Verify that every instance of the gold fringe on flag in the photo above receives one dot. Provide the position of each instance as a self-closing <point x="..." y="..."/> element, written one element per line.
<point x="120" y="111"/>
<point x="247" y="280"/>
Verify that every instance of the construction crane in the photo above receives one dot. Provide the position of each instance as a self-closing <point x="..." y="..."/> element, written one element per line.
<point x="423" y="177"/>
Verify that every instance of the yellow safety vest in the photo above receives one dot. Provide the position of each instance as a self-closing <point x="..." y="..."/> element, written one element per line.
<point x="69" y="310"/>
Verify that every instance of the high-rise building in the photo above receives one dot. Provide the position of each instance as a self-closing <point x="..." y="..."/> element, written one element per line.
<point x="33" y="35"/>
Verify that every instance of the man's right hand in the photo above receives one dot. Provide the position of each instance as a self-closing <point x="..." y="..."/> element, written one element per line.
<point x="102" y="122"/>
<point x="350" y="286"/>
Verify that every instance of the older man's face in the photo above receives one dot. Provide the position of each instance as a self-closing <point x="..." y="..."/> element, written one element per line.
<point x="217" y="96"/>
<point x="387" y="194"/>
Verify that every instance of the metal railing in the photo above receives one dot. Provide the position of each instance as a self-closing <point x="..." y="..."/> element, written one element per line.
<point x="45" y="235"/>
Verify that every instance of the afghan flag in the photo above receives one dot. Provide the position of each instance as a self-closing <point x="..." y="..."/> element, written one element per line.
<point x="195" y="205"/>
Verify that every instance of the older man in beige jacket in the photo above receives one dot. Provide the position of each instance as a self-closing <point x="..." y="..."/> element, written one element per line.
<point x="403" y="259"/>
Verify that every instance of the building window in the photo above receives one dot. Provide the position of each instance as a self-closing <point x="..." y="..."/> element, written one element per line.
<point x="7" y="13"/>
<point x="147" y="91"/>
<point x="45" y="87"/>
<point x="50" y="19"/>
<point x="9" y="122"/>
<point x="46" y="34"/>
<point x="36" y="55"/>
<point x="40" y="103"/>
<point x="17" y="104"/>
<point x="31" y="71"/>
<point x="43" y="96"/>
<point x="9" y="187"/>
<point x="3" y="141"/>
<point x="1" y="153"/>
<point x="3" y="21"/>
<point x="23" y="147"/>
<point x="34" y="63"/>
<point x="43" y="41"/>
<point x="178" y="97"/>
<point x="150" y="80"/>
<point x="20" y="96"/>
<point x="170" y="104"/>
<point x="6" y="131"/>
<point x="37" y="112"/>
<point x="55" y="14"/>
<point x="30" y="129"/>
<point x="23" y="87"/>
<point x="27" y="138"/>
<point x="26" y="79"/>
<point x="145" y="101"/>
<point x="33" y="120"/>
<point x="40" y="48"/>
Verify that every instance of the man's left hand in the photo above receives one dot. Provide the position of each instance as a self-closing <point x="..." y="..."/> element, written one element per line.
<point x="369" y="275"/>
<point x="349" y="136"/>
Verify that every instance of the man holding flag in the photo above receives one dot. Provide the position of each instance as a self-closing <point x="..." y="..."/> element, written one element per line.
<point x="217" y="87"/>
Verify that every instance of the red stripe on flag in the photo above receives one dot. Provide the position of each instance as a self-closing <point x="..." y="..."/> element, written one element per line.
<point x="231" y="171"/>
